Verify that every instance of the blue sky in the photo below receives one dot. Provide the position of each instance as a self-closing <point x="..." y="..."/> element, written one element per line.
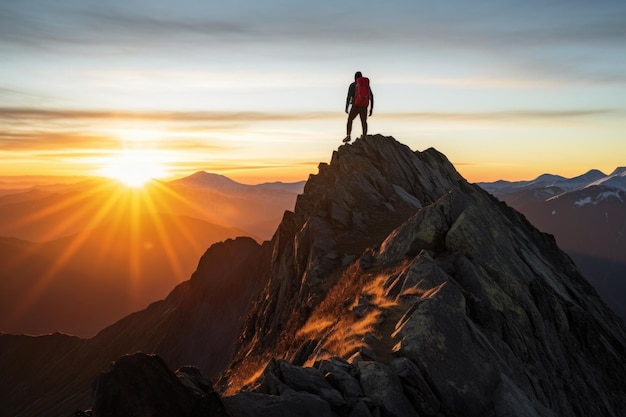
<point x="256" y="90"/>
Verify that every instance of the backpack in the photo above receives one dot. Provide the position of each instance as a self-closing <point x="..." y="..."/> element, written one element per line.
<point x="362" y="92"/>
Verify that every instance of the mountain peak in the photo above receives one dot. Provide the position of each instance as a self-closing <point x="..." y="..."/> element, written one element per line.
<point x="391" y="255"/>
<point x="207" y="179"/>
<point x="616" y="180"/>
<point x="619" y="172"/>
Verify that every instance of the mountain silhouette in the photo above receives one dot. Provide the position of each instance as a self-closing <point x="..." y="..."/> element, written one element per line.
<point x="393" y="288"/>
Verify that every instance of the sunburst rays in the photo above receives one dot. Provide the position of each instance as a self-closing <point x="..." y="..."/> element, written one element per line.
<point x="126" y="219"/>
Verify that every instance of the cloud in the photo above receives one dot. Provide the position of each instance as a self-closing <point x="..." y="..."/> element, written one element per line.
<point x="531" y="37"/>
<point x="45" y="129"/>
<point x="37" y="114"/>
<point x="497" y="116"/>
<point x="33" y="140"/>
<point x="459" y="25"/>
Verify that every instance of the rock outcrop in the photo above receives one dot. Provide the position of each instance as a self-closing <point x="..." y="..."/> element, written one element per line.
<point x="393" y="262"/>
<point x="143" y="385"/>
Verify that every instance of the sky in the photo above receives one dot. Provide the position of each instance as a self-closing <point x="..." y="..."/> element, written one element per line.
<point x="256" y="90"/>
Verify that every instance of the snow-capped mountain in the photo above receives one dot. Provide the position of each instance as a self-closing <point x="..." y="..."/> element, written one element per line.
<point x="616" y="180"/>
<point x="556" y="183"/>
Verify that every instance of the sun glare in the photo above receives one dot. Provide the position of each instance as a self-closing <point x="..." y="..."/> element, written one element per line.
<point x="134" y="167"/>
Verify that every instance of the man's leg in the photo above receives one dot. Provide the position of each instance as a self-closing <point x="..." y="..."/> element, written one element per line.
<point x="363" y="115"/>
<point x="351" y="116"/>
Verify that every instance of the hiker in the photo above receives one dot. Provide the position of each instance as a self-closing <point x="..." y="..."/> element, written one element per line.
<point x="360" y="96"/>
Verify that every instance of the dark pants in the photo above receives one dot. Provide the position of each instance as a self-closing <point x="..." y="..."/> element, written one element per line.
<point x="362" y="112"/>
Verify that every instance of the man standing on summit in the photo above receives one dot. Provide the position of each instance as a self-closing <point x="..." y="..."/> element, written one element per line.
<point x="360" y="96"/>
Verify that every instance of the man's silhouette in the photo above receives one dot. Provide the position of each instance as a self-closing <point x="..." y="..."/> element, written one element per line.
<point x="360" y="96"/>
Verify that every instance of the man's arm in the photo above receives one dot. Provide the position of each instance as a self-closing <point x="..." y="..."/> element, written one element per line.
<point x="371" y="101"/>
<point x="350" y="95"/>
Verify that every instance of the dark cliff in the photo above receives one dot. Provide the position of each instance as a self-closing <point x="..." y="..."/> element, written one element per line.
<point x="197" y="323"/>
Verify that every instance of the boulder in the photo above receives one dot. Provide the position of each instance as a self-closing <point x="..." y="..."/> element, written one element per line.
<point x="385" y="389"/>
<point x="302" y="404"/>
<point x="138" y="385"/>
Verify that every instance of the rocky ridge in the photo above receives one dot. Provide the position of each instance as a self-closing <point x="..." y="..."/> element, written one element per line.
<point x="396" y="288"/>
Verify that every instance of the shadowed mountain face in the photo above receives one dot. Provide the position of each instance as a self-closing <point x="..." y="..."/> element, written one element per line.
<point x="395" y="288"/>
<point x="196" y="324"/>
<point x="587" y="216"/>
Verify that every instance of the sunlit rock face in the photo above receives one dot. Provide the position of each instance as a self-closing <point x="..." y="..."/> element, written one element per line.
<point x="392" y="259"/>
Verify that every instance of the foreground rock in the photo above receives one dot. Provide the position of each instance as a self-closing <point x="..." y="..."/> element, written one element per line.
<point x="197" y="324"/>
<point x="142" y="385"/>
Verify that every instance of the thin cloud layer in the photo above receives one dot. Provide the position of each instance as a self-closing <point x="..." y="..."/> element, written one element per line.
<point x="502" y="26"/>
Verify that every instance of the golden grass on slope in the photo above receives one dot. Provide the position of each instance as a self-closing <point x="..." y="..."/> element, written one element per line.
<point x="335" y="325"/>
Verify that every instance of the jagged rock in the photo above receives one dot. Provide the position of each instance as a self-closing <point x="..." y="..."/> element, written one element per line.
<point x="303" y="352"/>
<point x="425" y="230"/>
<point x="351" y="204"/>
<point x="270" y="381"/>
<point x="336" y="401"/>
<point x="361" y="307"/>
<point x="384" y="388"/>
<point x="139" y="385"/>
<point x="208" y="401"/>
<point x="496" y="318"/>
<point x="423" y="272"/>
<point x="303" y="379"/>
<point x="250" y="404"/>
<point x="360" y="409"/>
<point x="415" y="387"/>
<point x="338" y="375"/>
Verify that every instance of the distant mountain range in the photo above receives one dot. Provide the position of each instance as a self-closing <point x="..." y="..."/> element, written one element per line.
<point x="587" y="216"/>
<point x="76" y="257"/>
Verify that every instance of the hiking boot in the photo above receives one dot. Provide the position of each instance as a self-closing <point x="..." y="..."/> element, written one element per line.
<point x="346" y="139"/>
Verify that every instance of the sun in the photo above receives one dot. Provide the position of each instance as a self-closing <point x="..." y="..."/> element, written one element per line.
<point x="134" y="167"/>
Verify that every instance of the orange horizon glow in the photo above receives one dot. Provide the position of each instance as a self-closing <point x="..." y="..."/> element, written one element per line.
<point x="268" y="146"/>
<point x="123" y="209"/>
<point x="135" y="176"/>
